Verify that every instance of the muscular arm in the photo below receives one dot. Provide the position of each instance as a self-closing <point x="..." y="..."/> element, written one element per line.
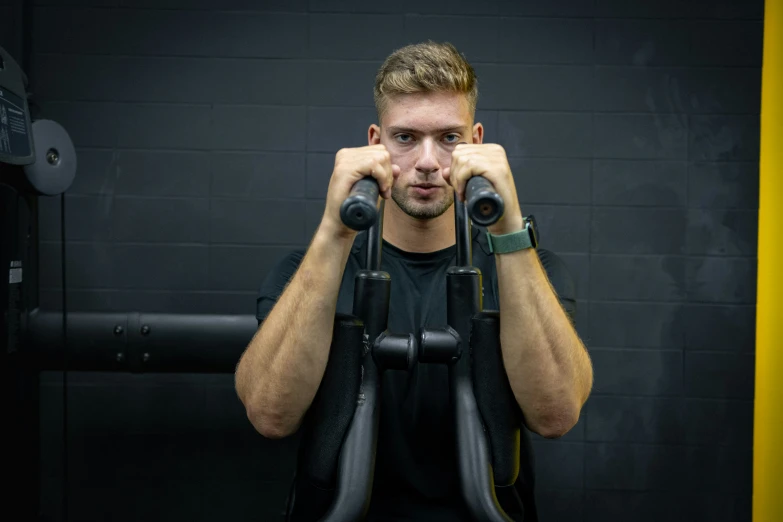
<point x="548" y="367"/>
<point x="279" y="373"/>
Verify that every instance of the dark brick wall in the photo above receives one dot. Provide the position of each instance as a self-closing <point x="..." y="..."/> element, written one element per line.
<point x="11" y="12"/>
<point x="206" y="137"/>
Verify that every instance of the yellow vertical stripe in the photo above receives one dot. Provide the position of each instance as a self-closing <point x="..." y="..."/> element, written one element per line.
<point x="768" y="415"/>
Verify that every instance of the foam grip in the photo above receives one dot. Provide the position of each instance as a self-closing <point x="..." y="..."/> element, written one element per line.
<point x="499" y="410"/>
<point x="326" y="424"/>
<point x="359" y="211"/>
<point x="484" y="204"/>
<point x="329" y="416"/>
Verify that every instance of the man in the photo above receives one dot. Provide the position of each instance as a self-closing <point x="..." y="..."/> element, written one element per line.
<point x="422" y="154"/>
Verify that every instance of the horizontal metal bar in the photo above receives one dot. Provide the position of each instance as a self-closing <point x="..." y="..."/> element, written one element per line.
<point x="138" y="342"/>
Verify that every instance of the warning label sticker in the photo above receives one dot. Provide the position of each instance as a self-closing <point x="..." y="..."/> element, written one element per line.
<point x="15" y="273"/>
<point x="14" y="139"/>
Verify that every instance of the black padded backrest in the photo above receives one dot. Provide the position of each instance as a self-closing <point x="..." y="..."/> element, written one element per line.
<point x="499" y="410"/>
<point x="329" y="416"/>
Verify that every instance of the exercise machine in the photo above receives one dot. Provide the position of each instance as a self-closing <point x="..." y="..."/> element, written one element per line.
<point x="337" y="456"/>
<point x="38" y="159"/>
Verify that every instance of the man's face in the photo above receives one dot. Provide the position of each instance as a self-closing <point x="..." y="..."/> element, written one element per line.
<point x="420" y="132"/>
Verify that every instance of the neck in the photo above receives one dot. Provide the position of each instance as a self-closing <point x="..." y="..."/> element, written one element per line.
<point x="417" y="235"/>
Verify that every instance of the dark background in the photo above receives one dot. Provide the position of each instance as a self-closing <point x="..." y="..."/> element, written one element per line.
<point x="206" y="137"/>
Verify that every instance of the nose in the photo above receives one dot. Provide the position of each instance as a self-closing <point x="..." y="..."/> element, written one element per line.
<point x="427" y="161"/>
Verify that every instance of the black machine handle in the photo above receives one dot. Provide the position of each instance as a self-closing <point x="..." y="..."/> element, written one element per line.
<point x="485" y="206"/>
<point x="359" y="211"/>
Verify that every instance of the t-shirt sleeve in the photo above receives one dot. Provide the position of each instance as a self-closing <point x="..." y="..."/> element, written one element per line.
<point x="561" y="279"/>
<point x="275" y="282"/>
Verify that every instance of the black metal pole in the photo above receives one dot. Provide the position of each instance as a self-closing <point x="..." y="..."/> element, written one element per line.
<point x="375" y="241"/>
<point x="137" y="342"/>
<point x="463" y="232"/>
<point x="463" y="301"/>
<point x="356" y="467"/>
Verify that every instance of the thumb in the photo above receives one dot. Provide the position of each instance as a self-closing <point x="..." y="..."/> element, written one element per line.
<point x="447" y="175"/>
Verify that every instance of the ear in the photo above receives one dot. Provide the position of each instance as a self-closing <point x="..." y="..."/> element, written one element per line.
<point x="374" y="135"/>
<point x="478" y="133"/>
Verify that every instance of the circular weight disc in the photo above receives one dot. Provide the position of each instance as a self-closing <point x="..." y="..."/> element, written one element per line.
<point x="55" y="159"/>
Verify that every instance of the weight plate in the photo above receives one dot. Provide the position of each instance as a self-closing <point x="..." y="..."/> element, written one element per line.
<point x="55" y="159"/>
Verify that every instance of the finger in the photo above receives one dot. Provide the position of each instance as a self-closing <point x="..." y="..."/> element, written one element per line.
<point x="386" y="173"/>
<point x="447" y="175"/>
<point x="394" y="173"/>
<point x="459" y="169"/>
<point x="380" y="175"/>
<point x="462" y="182"/>
<point x="455" y="173"/>
<point x="388" y="169"/>
<point x="457" y="163"/>
<point x="389" y="182"/>
<point x="467" y="170"/>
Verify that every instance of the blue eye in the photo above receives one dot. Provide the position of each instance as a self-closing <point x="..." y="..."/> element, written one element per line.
<point x="455" y="138"/>
<point x="400" y="136"/>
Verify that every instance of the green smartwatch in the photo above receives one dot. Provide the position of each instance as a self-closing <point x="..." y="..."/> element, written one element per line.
<point x="520" y="240"/>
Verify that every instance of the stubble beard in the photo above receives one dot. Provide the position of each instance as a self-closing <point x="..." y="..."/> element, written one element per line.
<point x="422" y="207"/>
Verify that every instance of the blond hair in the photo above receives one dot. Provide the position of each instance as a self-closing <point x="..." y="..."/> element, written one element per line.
<point x="424" y="67"/>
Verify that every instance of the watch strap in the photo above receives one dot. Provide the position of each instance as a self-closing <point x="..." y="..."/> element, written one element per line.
<point x="513" y="241"/>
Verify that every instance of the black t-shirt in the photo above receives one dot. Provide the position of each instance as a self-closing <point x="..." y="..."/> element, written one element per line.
<point x="416" y="464"/>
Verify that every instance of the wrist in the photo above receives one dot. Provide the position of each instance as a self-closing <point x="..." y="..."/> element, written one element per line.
<point x="507" y="225"/>
<point x="523" y="238"/>
<point x="335" y="234"/>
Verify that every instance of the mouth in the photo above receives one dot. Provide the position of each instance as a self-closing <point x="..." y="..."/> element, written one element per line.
<point x="425" y="189"/>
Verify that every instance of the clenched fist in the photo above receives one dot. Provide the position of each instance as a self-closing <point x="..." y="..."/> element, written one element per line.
<point x="351" y="165"/>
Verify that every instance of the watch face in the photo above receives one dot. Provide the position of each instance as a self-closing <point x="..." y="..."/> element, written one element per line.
<point x="531" y="230"/>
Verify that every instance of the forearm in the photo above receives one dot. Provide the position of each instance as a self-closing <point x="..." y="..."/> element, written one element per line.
<point x="548" y="367"/>
<point x="279" y="373"/>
